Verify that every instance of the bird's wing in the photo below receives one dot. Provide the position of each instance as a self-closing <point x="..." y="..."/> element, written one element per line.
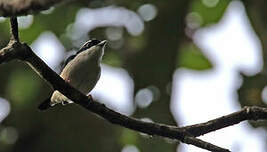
<point x="68" y="60"/>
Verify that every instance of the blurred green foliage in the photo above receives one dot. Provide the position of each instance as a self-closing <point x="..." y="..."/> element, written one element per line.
<point x="22" y="88"/>
<point x="128" y="137"/>
<point x="191" y="57"/>
<point x="56" y="22"/>
<point x="209" y="15"/>
<point x="112" y="59"/>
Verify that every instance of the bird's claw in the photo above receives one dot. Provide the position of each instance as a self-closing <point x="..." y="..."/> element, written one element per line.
<point x="67" y="80"/>
<point x="64" y="103"/>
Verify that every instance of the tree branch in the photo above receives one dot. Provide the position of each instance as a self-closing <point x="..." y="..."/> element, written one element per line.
<point x="247" y="113"/>
<point x="24" y="7"/>
<point x="21" y="51"/>
<point x="14" y="29"/>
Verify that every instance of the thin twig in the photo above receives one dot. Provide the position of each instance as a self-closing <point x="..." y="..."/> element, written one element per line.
<point x="14" y="29"/>
<point x="204" y="145"/>
<point x="25" y="7"/>
<point x="247" y="113"/>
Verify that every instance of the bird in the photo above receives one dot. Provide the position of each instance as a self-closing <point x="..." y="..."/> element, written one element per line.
<point x="81" y="70"/>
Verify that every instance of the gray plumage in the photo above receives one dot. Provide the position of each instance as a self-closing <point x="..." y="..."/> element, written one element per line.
<point x="81" y="70"/>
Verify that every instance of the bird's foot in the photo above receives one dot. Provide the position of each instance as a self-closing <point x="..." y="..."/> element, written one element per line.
<point x="67" y="80"/>
<point x="66" y="102"/>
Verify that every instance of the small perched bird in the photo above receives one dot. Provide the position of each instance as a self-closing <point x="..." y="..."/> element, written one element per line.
<point x="82" y="71"/>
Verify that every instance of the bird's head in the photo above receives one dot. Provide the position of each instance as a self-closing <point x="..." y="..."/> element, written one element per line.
<point x="94" y="47"/>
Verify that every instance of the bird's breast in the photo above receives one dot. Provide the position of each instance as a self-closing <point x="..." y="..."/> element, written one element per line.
<point x="82" y="73"/>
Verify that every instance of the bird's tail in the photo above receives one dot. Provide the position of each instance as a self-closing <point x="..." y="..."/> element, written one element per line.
<point x="45" y="105"/>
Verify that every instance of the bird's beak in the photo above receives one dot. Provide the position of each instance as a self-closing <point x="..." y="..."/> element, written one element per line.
<point x="102" y="43"/>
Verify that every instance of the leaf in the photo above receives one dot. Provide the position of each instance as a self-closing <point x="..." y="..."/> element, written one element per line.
<point x="209" y="15"/>
<point x="191" y="57"/>
<point x="128" y="137"/>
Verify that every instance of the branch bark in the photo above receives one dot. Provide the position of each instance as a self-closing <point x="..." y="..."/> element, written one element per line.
<point x="25" y="7"/>
<point x="21" y="51"/>
<point x="14" y="29"/>
<point x="247" y="113"/>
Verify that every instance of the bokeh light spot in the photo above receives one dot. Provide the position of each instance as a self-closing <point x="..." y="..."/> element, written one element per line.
<point x="4" y="109"/>
<point x="114" y="33"/>
<point x="48" y="11"/>
<point x="130" y="148"/>
<point x="193" y="20"/>
<point x="9" y="135"/>
<point x="2" y="19"/>
<point x="144" y="98"/>
<point x="25" y="22"/>
<point x="147" y="11"/>
<point x="264" y="95"/>
<point x="49" y="48"/>
<point x="210" y="3"/>
<point x="89" y="19"/>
